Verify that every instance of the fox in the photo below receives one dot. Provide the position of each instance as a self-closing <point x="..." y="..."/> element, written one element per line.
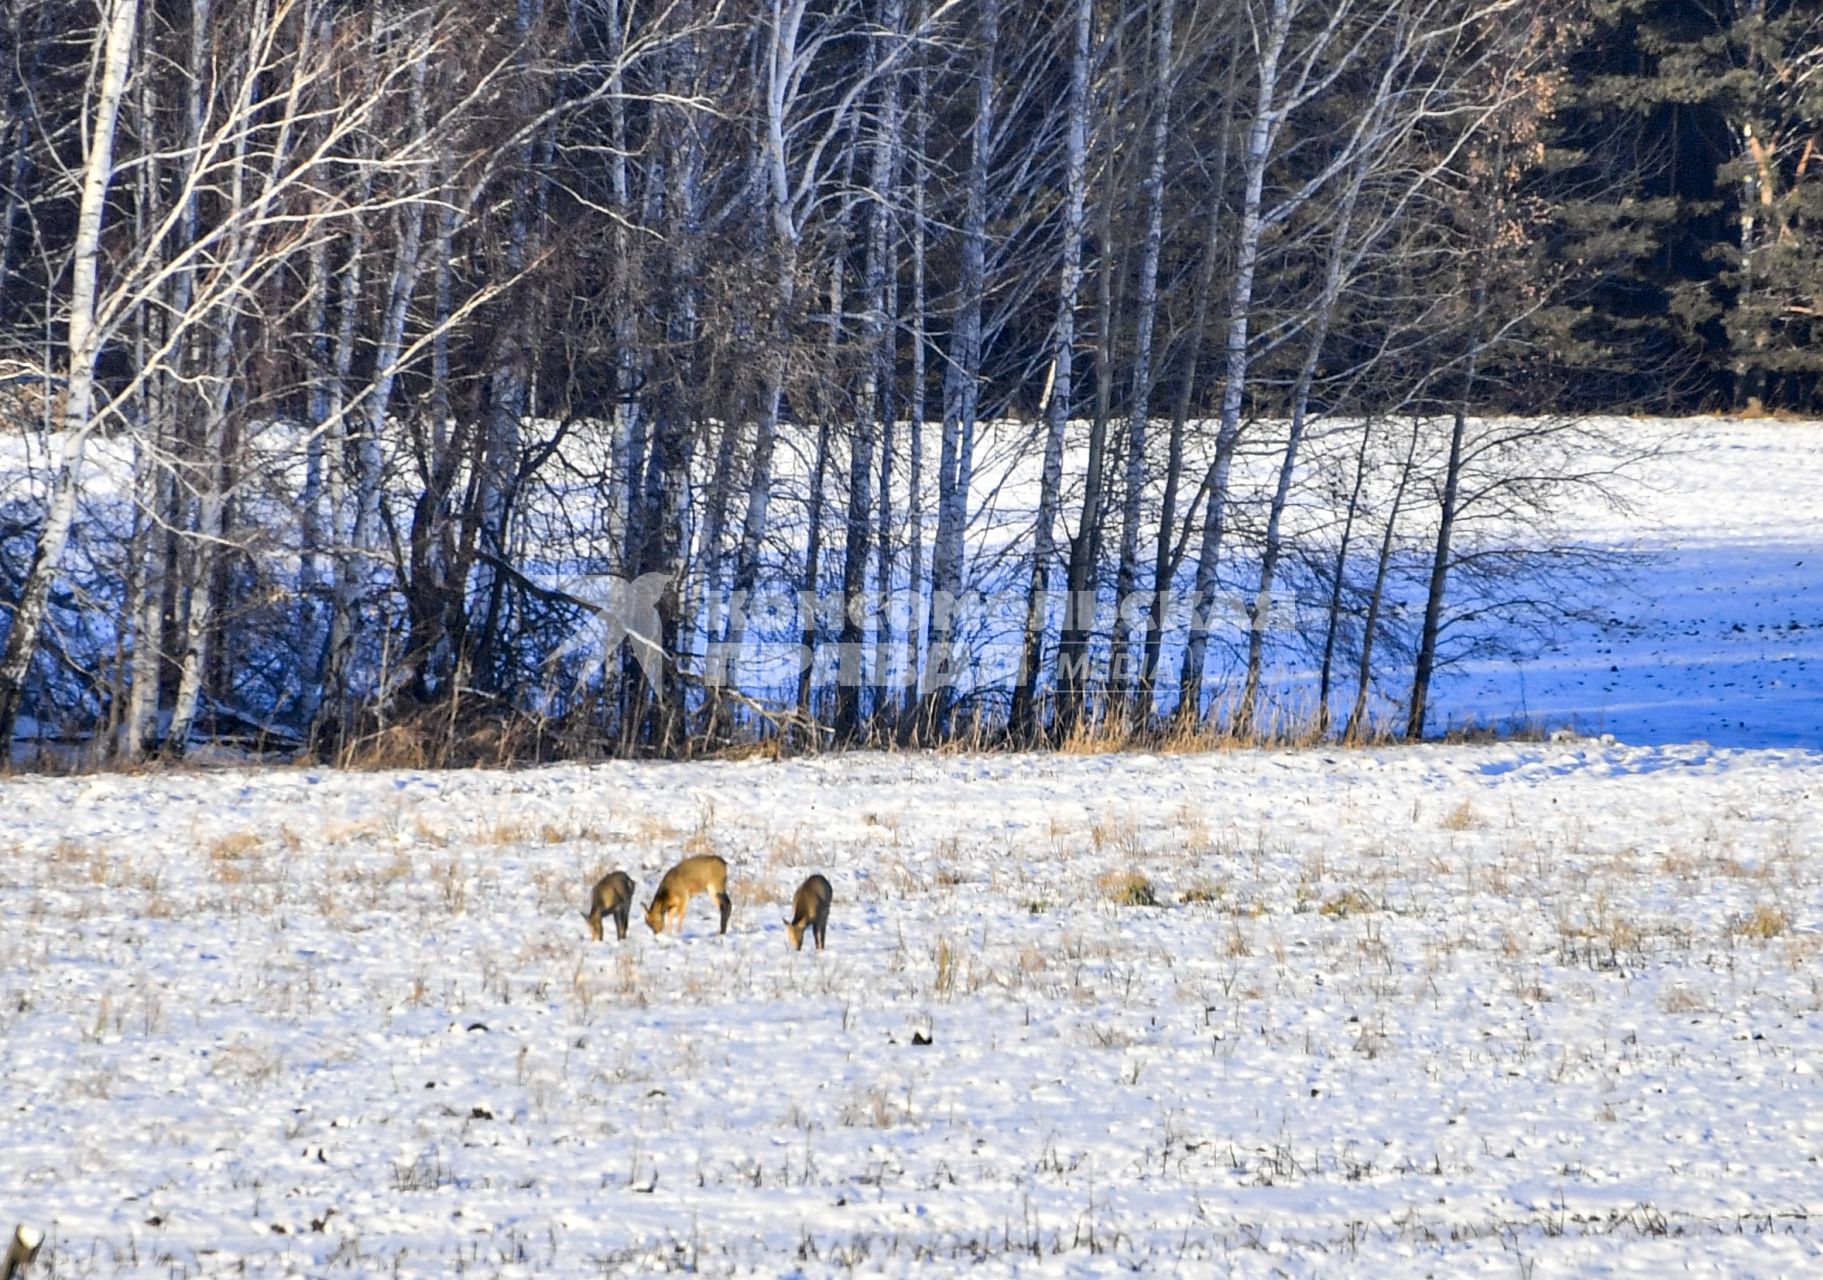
<point x="809" y="910"/>
<point x="704" y="873"/>
<point x="611" y="896"/>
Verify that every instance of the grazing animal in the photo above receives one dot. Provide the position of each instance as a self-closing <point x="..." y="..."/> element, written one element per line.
<point x="612" y="896"/>
<point x="704" y="873"/>
<point x="809" y="910"/>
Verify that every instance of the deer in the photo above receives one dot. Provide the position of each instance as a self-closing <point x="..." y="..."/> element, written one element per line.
<point x="704" y="873"/>
<point x="611" y="896"/>
<point x="809" y="910"/>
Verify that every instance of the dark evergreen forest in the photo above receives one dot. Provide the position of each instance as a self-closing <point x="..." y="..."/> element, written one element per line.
<point x="1683" y="183"/>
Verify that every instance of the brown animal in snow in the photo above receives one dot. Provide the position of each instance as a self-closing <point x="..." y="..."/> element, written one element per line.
<point x="809" y="910"/>
<point x="611" y="896"/>
<point x="704" y="873"/>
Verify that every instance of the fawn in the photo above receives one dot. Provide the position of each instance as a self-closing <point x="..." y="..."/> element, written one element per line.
<point x="612" y="896"/>
<point x="809" y="910"/>
<point x="704" y="873"/>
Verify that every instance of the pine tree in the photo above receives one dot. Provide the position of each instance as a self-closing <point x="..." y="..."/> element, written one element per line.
<point x="1684" y="168"/>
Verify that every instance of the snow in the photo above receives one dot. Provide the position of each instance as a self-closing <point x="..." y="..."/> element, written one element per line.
<point x="1545" y="1009"/>
<point x="1715" y="630"/>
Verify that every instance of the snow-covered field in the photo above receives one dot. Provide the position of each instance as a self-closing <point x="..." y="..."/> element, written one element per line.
<point x="1716" y="632"/>
<point x="1515" y="1010"/>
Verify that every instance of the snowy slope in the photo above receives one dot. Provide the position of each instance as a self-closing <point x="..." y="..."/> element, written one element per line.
<point x="1531" y="1010"/>
<point x="1717" y="632"/>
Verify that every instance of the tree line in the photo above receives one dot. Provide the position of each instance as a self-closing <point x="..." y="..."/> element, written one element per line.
<point x="349" y="351"/>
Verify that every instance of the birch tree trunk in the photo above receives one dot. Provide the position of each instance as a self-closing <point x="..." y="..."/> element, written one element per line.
<point x="780" y="71"/>
<point x="961" y="385"/>
<point x="759" y="483"/>
<point x="624" y="465"/>
<point x="915" y="407"/>
<point x="116" y="37"/>
<point x="1261" y="134"/>
<point x="884" y="557"/>
<point x="189" y="386"/>
<point x="1139" y="411"/>
<point x="1338" y="581"/>
<point x="717" y="502"/>
<point x="813" y="555"/>
<point x="1082" y="590"/>
<point x="15" y="140"/>
<point x="860" y="466"/>
<point x="246" y="190"/>
<point x="356" y="579"/>
<point x="200" y="618"/>
<point x="1260" y="610"/>
<point x="1063" y="356"/>
<point x="1168" y="548"/>
<point x="151" y="506"/>
<point x="307" y="637"/>
<point x="325" y="689"/>
<point x="509" y="377"/>
<point x="139" y="725"/>
<point x="435" y="568"/>
<point x="1356" y="725"/>
<point x="678" y="409"/>
<point x="1431" y="628"/>
<point x="876" y="401"/>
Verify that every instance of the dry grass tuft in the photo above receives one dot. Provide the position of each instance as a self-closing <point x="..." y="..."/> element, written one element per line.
<point x="948" y="960"/>
<point x="750" y="891"/>
<point x="522" y="831"/>
<point x="1096" y="739"/>
<point x="1464" y="817"/>
<point x="653" y="830"/>
<point x="73" y="858"/>
<point x="1127" y="889"/>
<point x="394" y="747"/>
<point x="230" y="854"/>
<point x="1189" y="737"/>
<point x="1681" y="999"/>
<point x="1115" y="835"/>
<point x="452" y="880"/>
<point x="1762" y="924"/>
<point x="1622" y="935"/>
<point x="786" y="849"/>
<point x="1350" y="902"/>
<point x="1756" y="411"/>
<point x="233" y="847"/>
<point x="351" y="832"/>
